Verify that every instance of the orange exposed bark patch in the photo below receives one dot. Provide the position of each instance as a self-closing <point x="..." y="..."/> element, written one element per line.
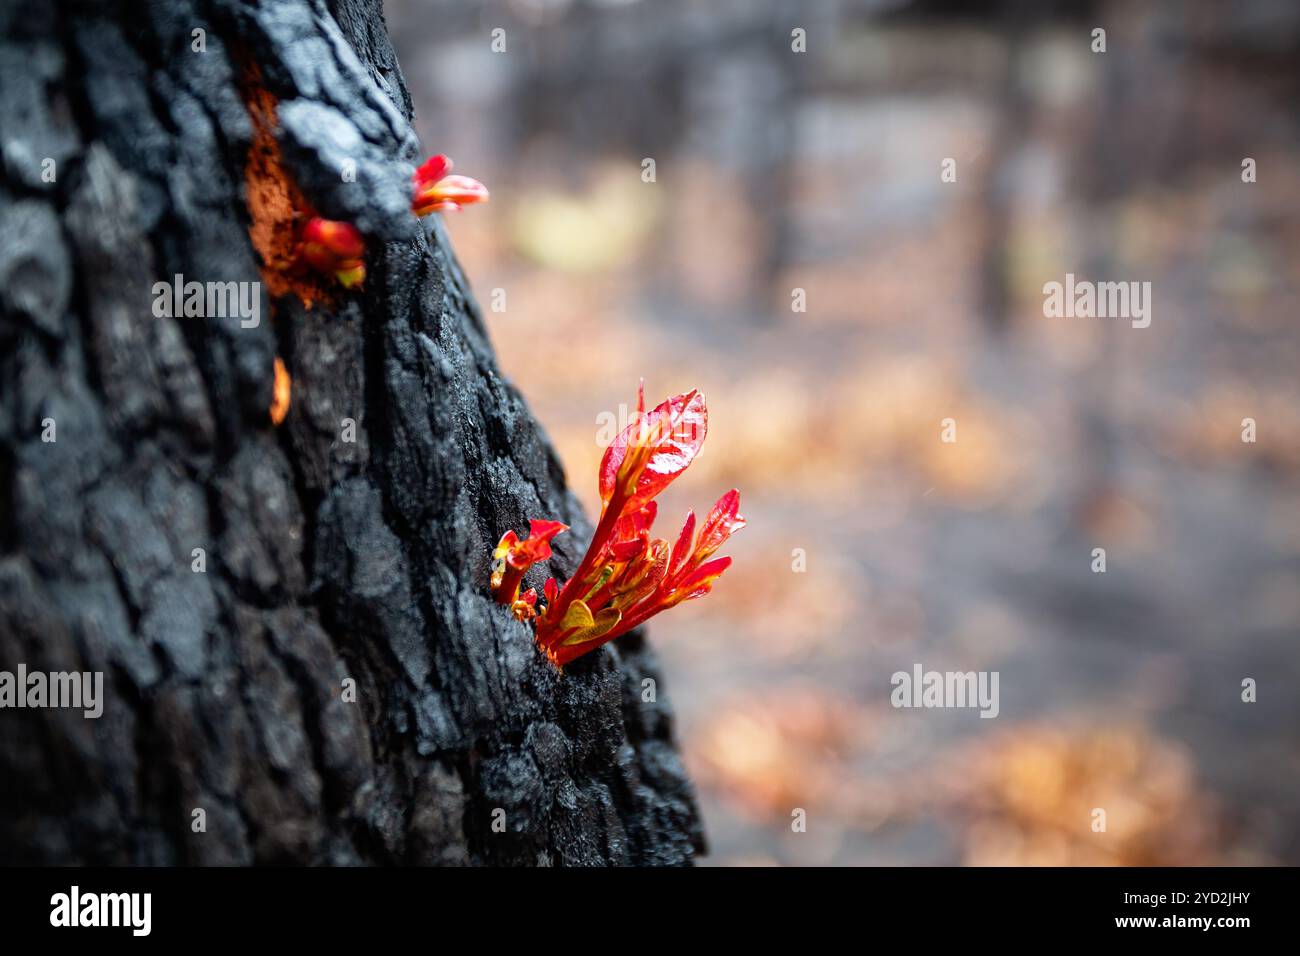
<point x="280" y="393"/>
<point x="275" y="203"/>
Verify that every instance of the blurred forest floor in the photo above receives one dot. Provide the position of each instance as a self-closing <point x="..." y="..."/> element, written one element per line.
<point x="820" y="171"/>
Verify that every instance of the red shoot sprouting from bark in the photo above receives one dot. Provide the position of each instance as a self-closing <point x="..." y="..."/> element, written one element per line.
<point x="334" y="248"/>
<point x="626" y="577"/>
<point x="436" y="191"/>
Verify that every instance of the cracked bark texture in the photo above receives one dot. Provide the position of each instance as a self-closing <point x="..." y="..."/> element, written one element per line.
<point x="326" y="559"/>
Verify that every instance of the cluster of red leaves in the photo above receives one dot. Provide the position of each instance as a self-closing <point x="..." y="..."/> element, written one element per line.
<point x="436" y="191"/>
<point x="626" y="577"/>
<point x="334" y="248"/>
<point x="338" y="248"/>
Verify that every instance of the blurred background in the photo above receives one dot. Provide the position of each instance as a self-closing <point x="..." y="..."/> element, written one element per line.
<point x="820" y="171"/>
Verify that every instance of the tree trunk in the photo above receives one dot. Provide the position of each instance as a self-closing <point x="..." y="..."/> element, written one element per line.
<point x="234" y="581"/>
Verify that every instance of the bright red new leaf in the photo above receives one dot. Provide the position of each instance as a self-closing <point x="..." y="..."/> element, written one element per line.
<point x="655" y="447"/>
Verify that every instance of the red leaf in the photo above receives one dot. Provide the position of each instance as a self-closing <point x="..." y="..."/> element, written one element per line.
<point x="342" y="240"/>
<point x="537" y="546"/>
<point x="674" y="432"/>
<point x="723" y="521"/>
<point x="682" y="549"/>
<point x="433" y="169"/>
<point x="700" y="581"/>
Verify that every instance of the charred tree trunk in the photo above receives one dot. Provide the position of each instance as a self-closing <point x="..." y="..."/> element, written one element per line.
<point x="228" y="577"/>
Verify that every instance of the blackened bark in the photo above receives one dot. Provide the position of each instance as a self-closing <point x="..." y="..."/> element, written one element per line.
<point x="325" y="559"/>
